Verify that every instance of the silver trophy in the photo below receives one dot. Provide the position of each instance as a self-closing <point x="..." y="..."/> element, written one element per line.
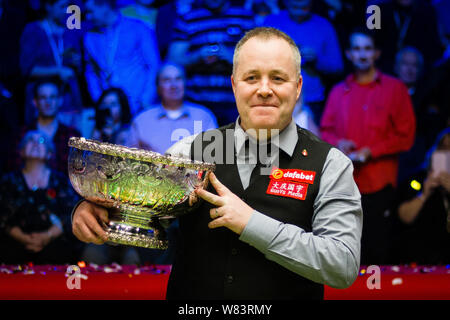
<point x="139" y="187"/>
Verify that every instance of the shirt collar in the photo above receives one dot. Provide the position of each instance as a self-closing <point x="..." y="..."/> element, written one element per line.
<point x="351" y="79"/>
<point x="286" y="141"/>
<point x="162" y="112"/>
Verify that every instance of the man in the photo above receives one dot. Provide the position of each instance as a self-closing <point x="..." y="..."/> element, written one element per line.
<point x="408" y="67"/>
<point x="174" y="118"/>
<point x="408" y="23"/>
<point x="48" y="100"/>
<point x="49" y="49"/>
<point x="370" y="118"/>
<point x="203" y="43"/>
<point x="321" y="54"/>
<point x="120" y="52"/>
<point x="259" y="236"/>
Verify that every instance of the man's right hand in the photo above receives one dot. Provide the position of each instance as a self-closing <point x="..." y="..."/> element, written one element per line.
<point x="346" y="146"/>
<point x="86" y="223"/>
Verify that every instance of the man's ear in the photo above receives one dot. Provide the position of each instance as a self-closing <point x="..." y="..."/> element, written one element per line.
<point x="377" y="54"/>
<point x="348" y="55"/>
<point x="299" y="86"/>
<point x="232" y="84"/>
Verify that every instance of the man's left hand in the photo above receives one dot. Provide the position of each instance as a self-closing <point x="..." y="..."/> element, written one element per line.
<point x="230" y="211"/>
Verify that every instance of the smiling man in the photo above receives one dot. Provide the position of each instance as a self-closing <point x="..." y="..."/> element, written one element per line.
<point x="259" y="236"/>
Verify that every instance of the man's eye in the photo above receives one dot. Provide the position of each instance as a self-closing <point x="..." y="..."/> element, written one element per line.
<point x="278" y="79"/>
<point x="250" y="78"/>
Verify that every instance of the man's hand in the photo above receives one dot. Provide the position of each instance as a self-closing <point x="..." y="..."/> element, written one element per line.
<point x="231" y="211"/>
<point x="444" y="180"/>
<point x="86" y="223"/>
<point x="346" y="146"/>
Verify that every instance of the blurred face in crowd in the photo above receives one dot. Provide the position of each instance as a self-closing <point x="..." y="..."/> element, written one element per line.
<point x="171" y="84"/>
<point x="444" y="144"/>
<point x="36" y="147"/>
<point x="266" y="84"/>
<point x="215" y="4"/>
<point x="408" y="67"/>
<point x="98" y="12"/>
<point x="299" y="9"/>
<point x="57" y="11"/>
<point x="362" y="52"/>
<point x="111" y="105"/>
<point x="48" y="100"/>
<point x="405" y="3"/>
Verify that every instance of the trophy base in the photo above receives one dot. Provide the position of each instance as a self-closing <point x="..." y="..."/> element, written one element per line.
<point x="121" y="233"/>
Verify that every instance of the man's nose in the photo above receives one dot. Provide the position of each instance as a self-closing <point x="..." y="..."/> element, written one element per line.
<point x="264" y="89"/>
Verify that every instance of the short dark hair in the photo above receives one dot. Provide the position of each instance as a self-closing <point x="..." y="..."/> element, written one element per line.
<point x="267" y="33"/>
<point x="363" y="30"/>
<point x="50" y="80"/>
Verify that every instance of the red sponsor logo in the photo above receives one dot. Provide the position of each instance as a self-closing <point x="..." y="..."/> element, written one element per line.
<point x="287" y="189"/>
<point x="296" y="175"/>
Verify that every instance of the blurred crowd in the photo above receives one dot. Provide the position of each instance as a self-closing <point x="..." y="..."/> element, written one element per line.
<point x="136" y="72"/>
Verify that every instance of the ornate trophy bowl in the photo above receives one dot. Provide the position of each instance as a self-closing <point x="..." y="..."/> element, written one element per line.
<point x="139" y="187"/>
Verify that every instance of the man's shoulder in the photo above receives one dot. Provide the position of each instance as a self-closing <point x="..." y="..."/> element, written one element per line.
<point x="391" y="81"/>
<point x="198" y="109"/>
<point x="340" y="87"/>
<point x="148" y="114"/>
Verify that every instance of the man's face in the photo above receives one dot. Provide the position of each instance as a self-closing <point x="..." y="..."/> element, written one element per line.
<point x="300" y="9"/>
<point x="57" y="11"/>
<point x="408" y="68"/>
<point x="171" y="84"/>
<point x="215" y="4"/>
<point x="405" y="3"/>
<point x="362" y="52"/>
<point x="265" y="84"/>
<point x="48" y="100"/>
<point x="96" y="12"/>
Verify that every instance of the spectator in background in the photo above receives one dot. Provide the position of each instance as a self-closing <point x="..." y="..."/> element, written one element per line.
<point x="409" y="69"/>
<point x="143" y="11"/>
<point x="165" y="22"/>
<point x="112" y="117"/>
<point x="120" y="52"/>
<point x="304" y="117"/>
<point x="49" y="49"/>
<point x="47" y="100"/>
<point x="203" y="43"/>
<point x="159" y="127"/>
<point x="370" y="117"/>
<point x="423" y="229"/>
<point x="35" y="206"/>
<point x="261" y="9"/>
<point x="345" y="15"/>
<point x="408" y="23"/>
<point x="319" y="46"/>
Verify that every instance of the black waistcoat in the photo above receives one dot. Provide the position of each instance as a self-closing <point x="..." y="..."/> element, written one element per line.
<point x="215" y="264"/>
